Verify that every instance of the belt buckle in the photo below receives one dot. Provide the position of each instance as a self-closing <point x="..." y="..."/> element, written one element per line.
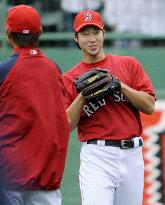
<point x="124" y="144"/>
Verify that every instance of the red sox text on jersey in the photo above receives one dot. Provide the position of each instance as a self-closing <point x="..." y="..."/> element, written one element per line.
<point x="91" y="108"/>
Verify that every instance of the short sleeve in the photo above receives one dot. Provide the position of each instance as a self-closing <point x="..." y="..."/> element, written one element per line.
<point x="69" y="89"/>
<point x="140" y="79"/>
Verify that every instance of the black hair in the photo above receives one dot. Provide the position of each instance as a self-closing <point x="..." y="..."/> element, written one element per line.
<point x="25" y="40"/>
<point x="76" y="35"/>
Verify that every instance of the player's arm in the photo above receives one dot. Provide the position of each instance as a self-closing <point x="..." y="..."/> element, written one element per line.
<point x="141" y="100"/>
<point x="74" y="111"/>
<point x="88" y="91"/>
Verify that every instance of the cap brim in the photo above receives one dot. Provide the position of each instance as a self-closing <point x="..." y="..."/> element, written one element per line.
<point x="88" y="24"/>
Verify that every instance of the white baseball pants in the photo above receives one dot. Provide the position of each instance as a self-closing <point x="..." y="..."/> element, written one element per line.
<point x="110" y="175"/>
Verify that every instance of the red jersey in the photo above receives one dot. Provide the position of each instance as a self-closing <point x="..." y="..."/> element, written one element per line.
<point x="33" y="123"/>
<point x="114" y="118"/>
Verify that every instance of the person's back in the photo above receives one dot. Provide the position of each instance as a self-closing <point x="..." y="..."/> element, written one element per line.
<point x="32" y="144"/>
<point x="30" y="107"/>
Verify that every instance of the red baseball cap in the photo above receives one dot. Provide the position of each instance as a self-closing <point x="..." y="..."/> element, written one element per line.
<point x="23" y="19"/>
<point x="88" y="17"/>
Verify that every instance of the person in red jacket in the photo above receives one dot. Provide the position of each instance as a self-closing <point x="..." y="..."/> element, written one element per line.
<point x="34" y="127"/>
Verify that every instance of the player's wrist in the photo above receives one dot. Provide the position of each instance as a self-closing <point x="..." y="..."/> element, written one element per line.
<point x="81" y="97"/>
<point x="123" y="86"/>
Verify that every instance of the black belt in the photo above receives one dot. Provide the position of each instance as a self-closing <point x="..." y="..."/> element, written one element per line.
<point x="123" y="144"/>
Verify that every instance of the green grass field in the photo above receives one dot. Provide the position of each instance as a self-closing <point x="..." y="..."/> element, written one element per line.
<point x="70" y="183"/>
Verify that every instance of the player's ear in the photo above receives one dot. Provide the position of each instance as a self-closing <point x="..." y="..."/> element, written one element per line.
<point x="41" y="31"/>
<point x="8" y="32"/>
<point x="103" y="32"/>
<point x="10" y="38"/>
<point x="75" y="37"/>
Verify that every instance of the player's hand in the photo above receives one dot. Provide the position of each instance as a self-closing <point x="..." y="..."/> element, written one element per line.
<point x="97" y="84"/>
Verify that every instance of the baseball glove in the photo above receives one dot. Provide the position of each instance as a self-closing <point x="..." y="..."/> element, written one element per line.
<point x="97" y="84"/>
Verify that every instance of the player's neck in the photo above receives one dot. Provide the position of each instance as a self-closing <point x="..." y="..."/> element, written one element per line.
<point x="93" y="58"/>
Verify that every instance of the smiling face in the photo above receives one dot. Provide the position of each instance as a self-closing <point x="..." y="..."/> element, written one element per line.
<point x="90" y="39"/>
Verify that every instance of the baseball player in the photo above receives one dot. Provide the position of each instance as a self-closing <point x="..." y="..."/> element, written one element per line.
<point x="104" y="95"/>
<point x="32" y="144"/>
